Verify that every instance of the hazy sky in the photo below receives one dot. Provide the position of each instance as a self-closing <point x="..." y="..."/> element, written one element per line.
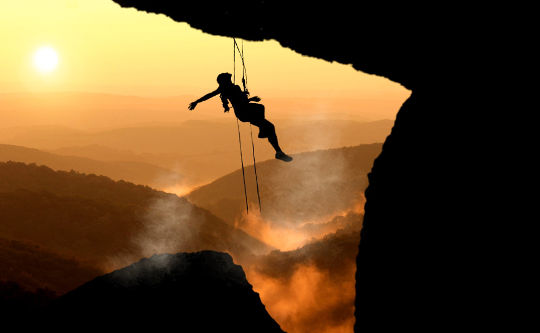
<point x="105" y="48"/>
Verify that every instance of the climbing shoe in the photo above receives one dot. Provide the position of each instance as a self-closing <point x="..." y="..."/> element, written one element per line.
<point x="284" y="157"/>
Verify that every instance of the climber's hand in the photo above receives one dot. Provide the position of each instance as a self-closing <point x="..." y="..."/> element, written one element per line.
<point x="192" y="105"/>
<point x="255" y="98"/>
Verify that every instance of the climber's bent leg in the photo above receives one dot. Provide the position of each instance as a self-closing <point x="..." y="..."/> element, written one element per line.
<point x="267" y="129"/>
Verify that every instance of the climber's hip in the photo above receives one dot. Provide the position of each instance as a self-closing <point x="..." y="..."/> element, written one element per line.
<point x="251" y="112"/>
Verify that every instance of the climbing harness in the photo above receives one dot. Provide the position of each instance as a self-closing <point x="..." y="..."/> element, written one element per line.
<point x="244" y="84"/>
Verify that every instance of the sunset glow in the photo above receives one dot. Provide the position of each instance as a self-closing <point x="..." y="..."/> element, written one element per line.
<point x="104" y="48"/>
<point x="95" y="124"/>
<point x="46" y="59"/>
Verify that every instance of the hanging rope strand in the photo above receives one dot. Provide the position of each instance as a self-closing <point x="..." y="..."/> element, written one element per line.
<point x="234" y="63"/>
<point x="244" y="72"/>
<point x="244" y="79"/>
<point x="244" y="83"/>
<point x="242" y="161"/>
<point x="239" y="139"/>
<point x="255" y="168"/>
<point x="239" y="52"/>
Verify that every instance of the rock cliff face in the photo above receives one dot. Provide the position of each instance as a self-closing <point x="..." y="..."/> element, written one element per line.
<point x="409" y="270"/>
<point x="188" y="292"/>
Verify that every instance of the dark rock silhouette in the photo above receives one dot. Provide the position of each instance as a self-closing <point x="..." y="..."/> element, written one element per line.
<point x="192" y="292"/>
<point x="424" y="236"/>
<point x="17" y="301"/>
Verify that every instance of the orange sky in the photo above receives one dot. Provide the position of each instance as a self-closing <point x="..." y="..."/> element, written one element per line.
<point x="108" y="49"/>
<point x="120" y="68"/>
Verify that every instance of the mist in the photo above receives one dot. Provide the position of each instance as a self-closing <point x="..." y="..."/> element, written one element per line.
<point x="311" y="289"/>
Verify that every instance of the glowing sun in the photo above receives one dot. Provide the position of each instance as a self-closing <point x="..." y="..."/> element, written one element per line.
<point x="46" y="59"/>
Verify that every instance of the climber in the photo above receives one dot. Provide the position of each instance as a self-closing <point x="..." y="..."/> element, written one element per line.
<point x="244" y="110"/>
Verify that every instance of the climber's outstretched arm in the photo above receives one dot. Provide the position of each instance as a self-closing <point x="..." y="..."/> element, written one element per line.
<point x="202" y="99"/>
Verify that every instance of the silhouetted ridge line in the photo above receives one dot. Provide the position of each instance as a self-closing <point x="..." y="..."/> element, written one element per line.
<point x="318" y="183"/>
<point x="138" y="172"/>
<point x="193" y="292"/>
<point x="106" y="222"/>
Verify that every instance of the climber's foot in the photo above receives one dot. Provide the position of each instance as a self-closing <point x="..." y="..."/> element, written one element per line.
<point x="284" y="157"/>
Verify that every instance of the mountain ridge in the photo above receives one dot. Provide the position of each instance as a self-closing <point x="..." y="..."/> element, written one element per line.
<point x="288" y="191"/>
<point x="204" y="290"/>
<point x="107" y="222"/>
<point x="138" y="172"/>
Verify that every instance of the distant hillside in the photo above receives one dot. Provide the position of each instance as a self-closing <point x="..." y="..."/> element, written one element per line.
<point x="196" y="137"/>
<point x="36" y="268"/>
<point x="103" y="153"/>
<point x="315" y="282"/>
<point x="186" y="138"/>
<point x="31" y="177"/>
<point x="315" y="185"/>
<point x="133" y="171"/>
<point x="200" y="150"/>
<point x="331" y="253"/>
<point x="332" y="133"/>
<point x="109" y="223"/>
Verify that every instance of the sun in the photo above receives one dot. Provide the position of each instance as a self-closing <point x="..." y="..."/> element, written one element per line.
<point x="46" y="59"/>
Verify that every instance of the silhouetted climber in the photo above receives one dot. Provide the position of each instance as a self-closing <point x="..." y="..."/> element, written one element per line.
<point x="244" y="110"/>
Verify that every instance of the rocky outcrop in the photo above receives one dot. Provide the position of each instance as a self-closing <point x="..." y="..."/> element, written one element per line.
<point x="418" y="252"/>
<point x="401" y="42"/>
<point x="185" y="292"/>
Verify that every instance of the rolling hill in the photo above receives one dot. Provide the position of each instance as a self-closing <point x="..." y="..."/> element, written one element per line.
<point x="108" y="223"/>
<point x="315" y="186"/>
<point x="138" y="172"/>
<point x="200" y="150"/>
<point x="33" y="268"/>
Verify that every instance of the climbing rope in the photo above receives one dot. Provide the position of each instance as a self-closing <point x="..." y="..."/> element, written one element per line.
<point x="244" y="83"/>
<point x="255" y="168"/>
<point x="242" y="161"/>
<point x="244" y="71"/>
<point x="239" y="139"/>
